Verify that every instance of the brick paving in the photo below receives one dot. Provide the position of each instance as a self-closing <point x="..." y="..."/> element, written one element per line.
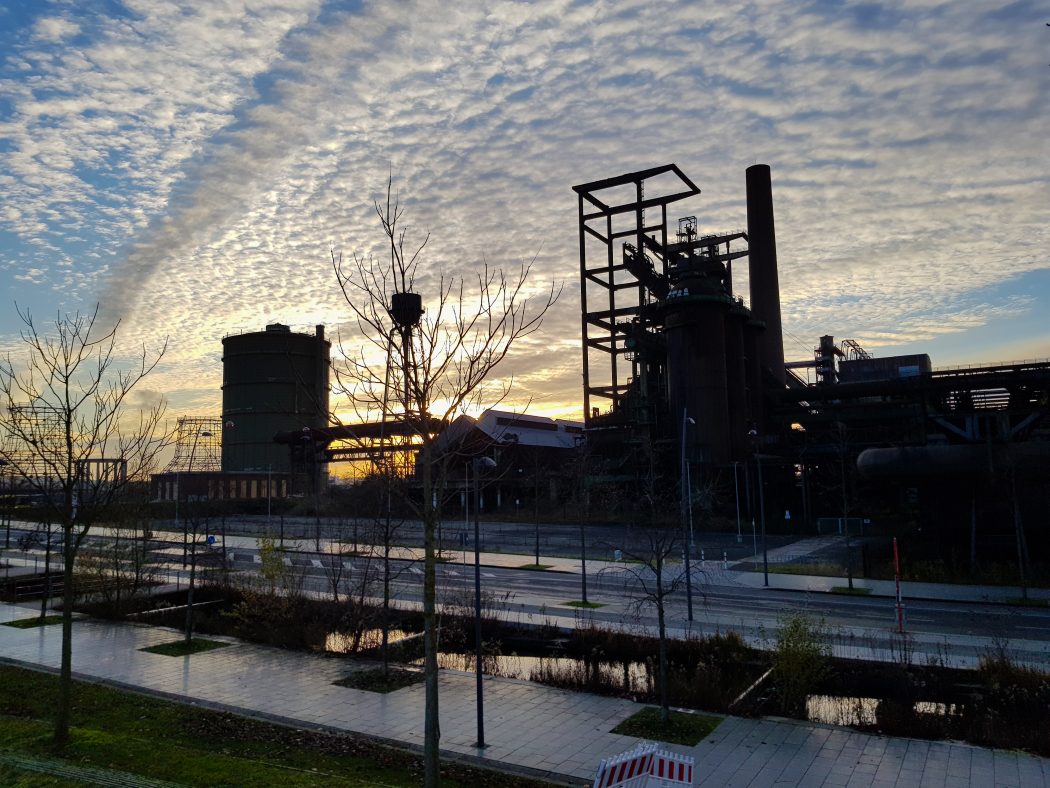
<point x="559" y="734"/>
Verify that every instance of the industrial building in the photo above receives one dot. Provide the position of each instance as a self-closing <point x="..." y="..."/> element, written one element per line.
<point x="534" y="458"/>
<point x="274" y="381"/>
<point x="681" y="372"/>
<point x="684" y="380"/>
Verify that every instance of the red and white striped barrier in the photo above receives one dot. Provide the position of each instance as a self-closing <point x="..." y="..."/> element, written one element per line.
<point x="645" y="767"/>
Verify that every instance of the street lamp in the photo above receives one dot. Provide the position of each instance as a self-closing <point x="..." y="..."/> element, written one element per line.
<point x="478" y="464"/>
<point x="687" y="505"/>
<point x="753" y="433"/>
<point x="736" y="490"/>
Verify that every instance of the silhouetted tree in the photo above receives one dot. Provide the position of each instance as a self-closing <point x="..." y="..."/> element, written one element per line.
<point x="437" y="368"/>
<point x="72" y="432"/>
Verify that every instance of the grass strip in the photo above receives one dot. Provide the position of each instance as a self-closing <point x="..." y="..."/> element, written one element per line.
<point x="855" y="591"/>
<point x="376" y="680"/>
<point x="180" y="648"/>
<point x="581" y="604"/>
<point x="536" y="567"/>
<point x="1021" y="601"/>
<point x="36" y="621"/>
<point x="681" y="727"/>
<point x="160" y="740"/>
<point x="816" y="570"/>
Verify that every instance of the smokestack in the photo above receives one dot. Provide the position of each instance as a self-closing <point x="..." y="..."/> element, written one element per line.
<point x="762" y="266"/>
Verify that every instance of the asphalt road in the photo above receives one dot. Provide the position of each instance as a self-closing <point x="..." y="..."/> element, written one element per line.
<point x="948" y="632"/>
<point x="952" y="632"/>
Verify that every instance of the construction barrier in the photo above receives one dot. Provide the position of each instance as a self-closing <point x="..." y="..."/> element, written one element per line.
<point x="645" y="767"/>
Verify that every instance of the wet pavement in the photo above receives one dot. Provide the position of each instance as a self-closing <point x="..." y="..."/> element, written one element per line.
<point x="530" y="728"/>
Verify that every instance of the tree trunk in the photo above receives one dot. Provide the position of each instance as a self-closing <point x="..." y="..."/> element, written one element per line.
<point x="386" y="589"/>
<point x="65" y="676"/>
<point x="47" y="573"/>
<point x="431" y="725"/>
<point x="189" y="594"/>
<point x="665" y="710"/>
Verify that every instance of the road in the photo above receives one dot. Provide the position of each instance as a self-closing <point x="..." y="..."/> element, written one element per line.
<point x="938" y="631"/>
<point x="942" y="632"/>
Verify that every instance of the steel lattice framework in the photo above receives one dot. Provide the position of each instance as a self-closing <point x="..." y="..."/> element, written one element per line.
<point x="198" y="446"/>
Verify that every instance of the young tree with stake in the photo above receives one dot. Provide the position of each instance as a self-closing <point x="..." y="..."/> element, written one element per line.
<point x="436" y="360"/>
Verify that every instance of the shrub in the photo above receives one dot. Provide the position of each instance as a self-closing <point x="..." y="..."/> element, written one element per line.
<point x="801" y="659"/>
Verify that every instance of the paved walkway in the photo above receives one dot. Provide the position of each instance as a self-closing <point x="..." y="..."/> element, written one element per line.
<point x="548" y="732"/>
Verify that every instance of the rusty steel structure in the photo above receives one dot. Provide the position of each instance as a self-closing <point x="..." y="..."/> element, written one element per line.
<point x="667" y="341"/>
<point x="678" y="367"/>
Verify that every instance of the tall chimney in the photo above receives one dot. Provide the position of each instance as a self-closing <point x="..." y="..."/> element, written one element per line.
<point x="762" y="267"/>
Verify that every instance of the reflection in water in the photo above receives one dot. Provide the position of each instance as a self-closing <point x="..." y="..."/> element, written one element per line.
<point x="939" y="709"/>
<point x="632" y="675"/>
<point x="838" y="710"/>
<point x="344" y="642"/>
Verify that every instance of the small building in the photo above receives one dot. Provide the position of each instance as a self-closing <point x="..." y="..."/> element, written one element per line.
<point x="534" y="455"/>
<point x="218" y="486"/>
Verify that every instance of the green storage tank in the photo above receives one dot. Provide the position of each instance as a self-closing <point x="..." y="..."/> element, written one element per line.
<point x="272" y="381"/>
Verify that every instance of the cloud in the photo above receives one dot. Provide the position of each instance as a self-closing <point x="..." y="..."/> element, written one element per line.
<point x="211" y="158"/>
<point x="55" y="29"/>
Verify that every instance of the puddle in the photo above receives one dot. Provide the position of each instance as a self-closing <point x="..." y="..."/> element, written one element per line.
<point x="514" y="666"/>
<point x="343" y="643"/>
<point x="837" y="710"/>
<point x="857" y="711"/>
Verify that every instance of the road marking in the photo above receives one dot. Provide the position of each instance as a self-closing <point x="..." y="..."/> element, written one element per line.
<point x="316" y="563"/>
<point x="450" y="573"/>
<point x="416" y="570"/>
<point x="257" y="559"/>
<point x="486" y="574"/>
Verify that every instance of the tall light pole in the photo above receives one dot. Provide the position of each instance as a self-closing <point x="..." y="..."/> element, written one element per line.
<point x="736" y="490"/>
<point x="687" y="521"/>
<point x="761" y="507"/>
<point x="477" y="464"/>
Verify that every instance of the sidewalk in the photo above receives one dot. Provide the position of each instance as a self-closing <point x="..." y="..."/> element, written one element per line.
<point x="531" y="728"/>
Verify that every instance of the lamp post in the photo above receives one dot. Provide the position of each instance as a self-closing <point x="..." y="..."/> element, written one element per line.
<point x="686" y="421"/>
<point x="761" y="507"/>
<point x="736" y="490"/>
<point x="478" y="463"/>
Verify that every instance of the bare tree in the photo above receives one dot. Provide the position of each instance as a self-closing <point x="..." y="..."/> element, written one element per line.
<point x="438" y="362"/>
<point x="73" y="433"/>
<point x="652" y="576"/>
<point x="122" y="566"/>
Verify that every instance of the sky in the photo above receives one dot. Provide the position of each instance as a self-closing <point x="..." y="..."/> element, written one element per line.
<point x="192" y="165"/>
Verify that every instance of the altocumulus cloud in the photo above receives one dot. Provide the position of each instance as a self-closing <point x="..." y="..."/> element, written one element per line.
<point x="211" y="154"/>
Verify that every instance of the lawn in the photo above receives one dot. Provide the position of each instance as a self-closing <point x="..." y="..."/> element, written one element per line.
<point x="161" y="740"/>
<point x="35" y="621"/>
<point x="681" y="728"/>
